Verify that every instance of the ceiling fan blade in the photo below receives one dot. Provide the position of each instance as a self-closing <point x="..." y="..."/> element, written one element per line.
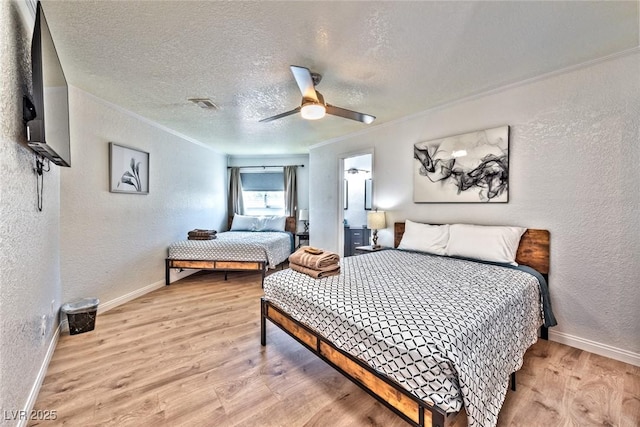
<point x="305" y="82"/>
<point x="281" y="115"/>
<point x="348" y="114"/>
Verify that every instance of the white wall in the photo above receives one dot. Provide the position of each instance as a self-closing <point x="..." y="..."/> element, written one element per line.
<point x="574" y="170"/>
<point x="29" y="239"/>
<point x="302" y="174"/>
<point x="113" y="244"/>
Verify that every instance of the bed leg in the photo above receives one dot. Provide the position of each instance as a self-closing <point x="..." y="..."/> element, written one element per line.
<point x="264" y="272"/>
<point x="263" y="323"/>
<point x="225" y="275"/>
<point x="513" y="381"/>
<point x="437" y="419"/>
<point x="544" y="333"/>
<point x="166" y="272"/>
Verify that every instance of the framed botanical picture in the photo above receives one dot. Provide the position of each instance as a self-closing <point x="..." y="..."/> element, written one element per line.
<point x="128" y="170"/>
<point x="468" y="168"/>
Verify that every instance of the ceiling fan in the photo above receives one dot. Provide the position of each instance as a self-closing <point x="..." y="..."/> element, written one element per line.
<point x="313" y="106"/>
<point x="354" y="171"/>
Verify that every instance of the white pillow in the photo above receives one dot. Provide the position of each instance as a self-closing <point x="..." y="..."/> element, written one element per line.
<point x="271" y="223"/>
<point x="424" y="237"/>
<point x="244" y="223"/>
<point x="485" y="242"/>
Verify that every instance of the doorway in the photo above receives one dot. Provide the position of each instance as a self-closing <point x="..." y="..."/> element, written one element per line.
<point x="357" y="201"/>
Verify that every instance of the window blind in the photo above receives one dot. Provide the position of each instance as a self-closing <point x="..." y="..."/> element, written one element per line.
<point x="262" y="181"/>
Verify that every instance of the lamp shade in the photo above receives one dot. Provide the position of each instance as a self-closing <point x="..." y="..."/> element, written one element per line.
<point x="376" y="220"/>
<point x="303" y="214"/>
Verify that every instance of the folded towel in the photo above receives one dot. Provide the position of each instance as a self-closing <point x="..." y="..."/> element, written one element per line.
<point x="306" y="259"/>
<point x="207" y="237"/>
<point x="316" y="274"/>
<point x="200" y="232"/>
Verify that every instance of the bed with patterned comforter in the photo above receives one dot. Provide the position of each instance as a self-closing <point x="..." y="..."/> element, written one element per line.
<point x="274" y="247"/>
<point x="231" y="251"/>
<point x="449" y="331"/>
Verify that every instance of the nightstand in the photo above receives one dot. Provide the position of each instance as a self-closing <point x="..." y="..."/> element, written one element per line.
<point x="302" y="236"/>
<point x="354" y="237"/>
<point x="366" y="249"/>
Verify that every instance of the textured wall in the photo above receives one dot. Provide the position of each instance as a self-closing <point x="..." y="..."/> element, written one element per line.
<point x="574" y="169"/>
<point x="29" y="239"/>
<point x="111" y="243"/>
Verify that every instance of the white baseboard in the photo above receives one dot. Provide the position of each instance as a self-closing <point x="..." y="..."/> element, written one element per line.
<point x="106" y="306"/>
<point x="176" y="275"/>
<point x="596" y="347"/>
<point x="35" y="389"/>
<point x="102" y="307"/>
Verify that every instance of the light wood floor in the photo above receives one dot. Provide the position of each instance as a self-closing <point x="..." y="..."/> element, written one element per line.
<point x="190" y="355"/>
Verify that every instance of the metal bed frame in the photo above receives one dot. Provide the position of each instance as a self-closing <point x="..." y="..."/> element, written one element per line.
<point x="224" y="265"/>
<point x="533" y="251"/>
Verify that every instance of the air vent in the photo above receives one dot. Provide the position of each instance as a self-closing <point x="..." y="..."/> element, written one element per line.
<point x="205" y="103"/>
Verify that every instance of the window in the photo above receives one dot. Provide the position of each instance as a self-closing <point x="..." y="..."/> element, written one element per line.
<point x="263" y="192"/>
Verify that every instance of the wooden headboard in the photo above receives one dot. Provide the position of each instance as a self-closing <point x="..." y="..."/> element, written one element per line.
<point x="533" y="250"/>
<point x="289" y="225"/>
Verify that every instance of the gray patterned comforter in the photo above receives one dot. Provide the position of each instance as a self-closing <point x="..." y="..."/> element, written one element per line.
<point x="273" y="247"/>
<point x="449" y="331"/>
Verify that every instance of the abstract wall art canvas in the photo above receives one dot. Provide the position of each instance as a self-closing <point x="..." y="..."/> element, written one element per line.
<point x="468" y="168"/>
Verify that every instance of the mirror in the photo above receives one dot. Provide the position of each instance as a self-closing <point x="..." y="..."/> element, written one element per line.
<point x="345" y="191"/>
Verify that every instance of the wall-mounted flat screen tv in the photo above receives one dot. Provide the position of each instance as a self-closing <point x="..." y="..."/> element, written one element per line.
<point x="48" y="132"/>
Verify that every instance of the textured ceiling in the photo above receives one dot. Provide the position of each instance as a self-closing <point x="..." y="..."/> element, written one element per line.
<point x="388" y="59"/>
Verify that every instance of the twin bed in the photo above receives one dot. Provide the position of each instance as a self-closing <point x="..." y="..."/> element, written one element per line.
<point x="243" y="250"/>
<point x="427" y="335"/>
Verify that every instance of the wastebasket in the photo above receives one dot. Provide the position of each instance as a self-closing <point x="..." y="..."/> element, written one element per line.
<point x="81" y="315"/>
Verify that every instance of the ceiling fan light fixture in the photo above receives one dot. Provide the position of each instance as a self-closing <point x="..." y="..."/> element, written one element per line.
<point x="367" y="119"/>
<point x="313" y="111"/>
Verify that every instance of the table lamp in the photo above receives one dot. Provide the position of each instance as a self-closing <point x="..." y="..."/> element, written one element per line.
<point x="376" y="221"/>
<point x="303" y="215"/>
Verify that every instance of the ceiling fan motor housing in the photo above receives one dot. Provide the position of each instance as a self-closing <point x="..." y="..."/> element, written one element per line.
<point x="313" y="101"/>
<point x="313" y="106"/>
<point x="316" y="77"/>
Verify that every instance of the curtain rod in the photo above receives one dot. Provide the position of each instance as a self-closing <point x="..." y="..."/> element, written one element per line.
<point x="263" y="167"/>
